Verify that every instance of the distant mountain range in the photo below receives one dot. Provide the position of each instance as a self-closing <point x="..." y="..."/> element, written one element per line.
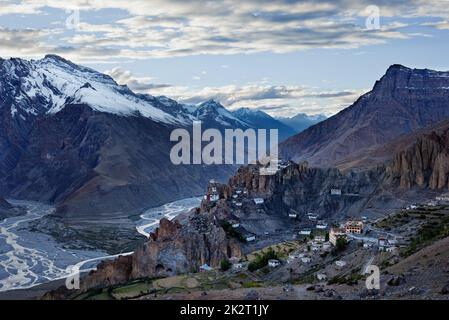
<point x="302" y="121"/>
<point x="72" y="136"/>
<point x="402" y="101"/>
<point x="261" y="120"/>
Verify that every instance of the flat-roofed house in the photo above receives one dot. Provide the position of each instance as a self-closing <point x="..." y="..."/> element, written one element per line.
<point x="335" y="234"/>
<point x="250" y="238"/>
<point x="273" y="263"/>
<point x="335" y="192"/>
<point x="354" y="226"/>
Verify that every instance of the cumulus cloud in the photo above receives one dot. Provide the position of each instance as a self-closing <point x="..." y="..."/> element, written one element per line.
<point x="137" y="84"/>
<point x="275" y="100"/>
<point x="15" y="42"/>
<point x="145" y="29"/>
<point x="166" y="28"/>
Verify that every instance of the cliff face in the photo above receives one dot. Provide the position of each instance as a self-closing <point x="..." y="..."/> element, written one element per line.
<point x="175" y="249"/>
<point x="172" y="249"/>
<point x="424" y="164"/>
<point x="305" y="189"/>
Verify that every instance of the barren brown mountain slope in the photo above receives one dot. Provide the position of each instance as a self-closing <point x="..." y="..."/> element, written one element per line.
<point x="402" y="101"/>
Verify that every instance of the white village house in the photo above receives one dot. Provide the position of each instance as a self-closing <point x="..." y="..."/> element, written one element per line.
<point x="306" y="259"/>
<point x="294" y="256"/>
<point x="443" y="197"/>
<point x="321" y="226"/>
<point x="250" y="238"/>
<point x="336" y="192"/>
<point x="237" y="266"/>
<point x="335" y="234"/>
<point x="305" y="232"/>
<point x="321" y="277"/>
<point x="273" y="263"/>
<point x="340" y="263"/>
<point x="258" y="200"/>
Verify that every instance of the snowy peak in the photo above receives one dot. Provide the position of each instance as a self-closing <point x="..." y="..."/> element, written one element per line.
<point x="212" y="110"/>
<point x="261" y="120"/>
<point x="46" y="85"/>
<point x="209" y="106"/>
<point x="247" y="113"/>
<point x="302" y="121"/>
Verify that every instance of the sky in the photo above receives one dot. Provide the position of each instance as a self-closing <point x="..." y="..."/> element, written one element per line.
<point x="281" y="56"/>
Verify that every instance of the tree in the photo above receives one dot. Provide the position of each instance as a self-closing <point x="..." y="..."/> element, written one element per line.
<point x="341" y="244"/>
<point x="225" y="264"/>
<point x="262" y="260"/>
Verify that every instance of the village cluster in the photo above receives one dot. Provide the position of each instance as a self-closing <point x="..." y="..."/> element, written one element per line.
<point x="318" y="236"/>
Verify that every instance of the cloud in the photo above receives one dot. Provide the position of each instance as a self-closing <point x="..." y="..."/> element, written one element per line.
<point x="22" y="42"/>
<point x="276" y="100"/>
<point x="23" y="8"/>
<point x="167" y="28"/>
<point x="441" y="25"/>
<point x="125" y="77"/>
<point x="330" y="94"/>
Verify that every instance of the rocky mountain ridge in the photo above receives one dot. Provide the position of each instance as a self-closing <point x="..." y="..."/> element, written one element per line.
<point x="402" y="101"/>
<point x="261" y="120"/>
<point x="198" y="237"/>
<point x="72" y="136"/>
<point x="301" y="121"/>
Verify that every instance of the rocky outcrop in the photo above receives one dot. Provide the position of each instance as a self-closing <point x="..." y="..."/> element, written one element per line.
<point x="423" y="164"/>
<point x="173" y="248"/>
<point x="303" y="189"/>
<point x="108" y="273"/>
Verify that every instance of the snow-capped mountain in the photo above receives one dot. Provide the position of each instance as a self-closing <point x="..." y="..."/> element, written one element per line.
<point x="72" y="136"/>
<point x="211" y="111"/>
<point x="47" y="85"/>
<point x="302" y="121"/>
<point x="261" y="120"/>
